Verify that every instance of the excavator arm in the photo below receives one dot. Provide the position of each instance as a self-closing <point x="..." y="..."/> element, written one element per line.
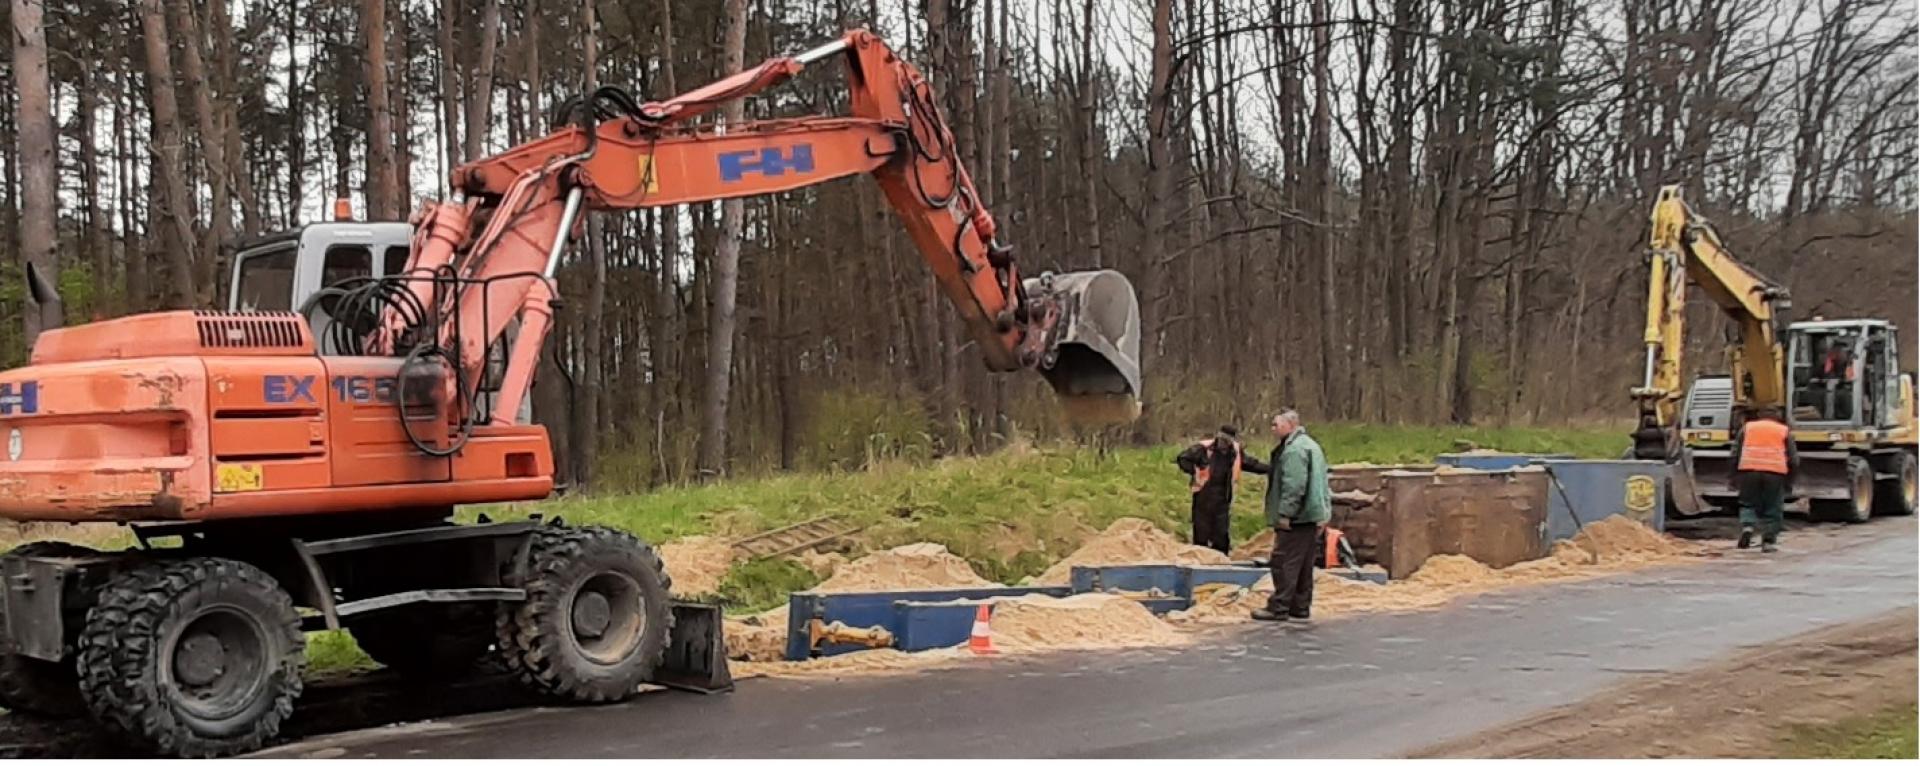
<point x="1684" y="248"/>
<point x="482" y="263"/>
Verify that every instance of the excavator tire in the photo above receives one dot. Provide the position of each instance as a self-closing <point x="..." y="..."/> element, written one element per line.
<point x="198" y="657"/>
<point x="429" y="641"/>
<point x="1858" y="507"/>
<point x="34" y="686"/>
<point x="1899" y="495"/>
<point x="597" y="616"/>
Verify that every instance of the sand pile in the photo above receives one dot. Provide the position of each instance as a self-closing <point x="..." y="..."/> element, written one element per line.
<point x="1084" y="621"/>
<point x="697" y="564"/>
<point x="1257" y="549"/>
<point x="1618" y="538"/>
<point x="871" y="662"/>
<point x="821" y="564"/>
<point x="759" y="637"/>
<point x="1449" y="570"/>
<point x="919" y="566"/>
<point x="1621" y="544"/>
<point x="1129" y="541"/>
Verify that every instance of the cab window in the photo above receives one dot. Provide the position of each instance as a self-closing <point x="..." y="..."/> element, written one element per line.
<point x="266" y="280"/>
<point x="345" y="262"/>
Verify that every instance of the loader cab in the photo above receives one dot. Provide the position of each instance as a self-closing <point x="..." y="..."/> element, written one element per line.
<point x="1844" y="374"/>
<point x="281" y="272"/>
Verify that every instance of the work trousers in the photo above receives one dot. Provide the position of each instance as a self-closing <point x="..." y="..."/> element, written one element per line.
<point x="1292" y="567"/>
<point x="1211" y="518"/>
<point x="1763" y="501"/>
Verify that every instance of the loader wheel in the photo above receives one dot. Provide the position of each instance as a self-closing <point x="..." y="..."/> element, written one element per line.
<point x="1898" y="496"/>
<point x="34" y="686"/>
<point x="431" y="641"/>
<point x="596" y="619"/>
<point x="197" y="657"/>
<point x="1858" y="507"/>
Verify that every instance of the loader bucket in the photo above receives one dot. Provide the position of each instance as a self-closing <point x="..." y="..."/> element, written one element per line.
<point x="1094" y="364"/>
<point x="696" y="651"/>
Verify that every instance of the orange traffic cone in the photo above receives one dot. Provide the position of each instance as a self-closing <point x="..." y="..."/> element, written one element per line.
<point x="980" y="642"/>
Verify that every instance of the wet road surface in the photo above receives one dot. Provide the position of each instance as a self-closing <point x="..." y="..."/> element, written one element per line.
<point x="1355" y="687"/>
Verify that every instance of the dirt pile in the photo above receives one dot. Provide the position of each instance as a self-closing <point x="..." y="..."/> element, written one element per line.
<point x="697" y="564"/>
<point x="821" y="564"/>
<point x="1257" y="549"/>
<point x="919" y="566"/>
<point x="1449" y="570"/>
<point x="872" y="662"/>
<point x="760" y="637"/>
<point x="1084" y="621"/>
<point x="1616" y="544"/>
<point x="1129" y="541"/>
<point x="1618" y="538"/>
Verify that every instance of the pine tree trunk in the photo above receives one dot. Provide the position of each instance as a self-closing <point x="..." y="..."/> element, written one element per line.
<point x="381" y="205"/>
<point x="725" y="280"/>
<point x="169" y="158"/>
<point x="38" y="168"/>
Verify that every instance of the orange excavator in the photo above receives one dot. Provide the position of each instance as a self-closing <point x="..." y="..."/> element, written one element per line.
<point x="293" y="471"/>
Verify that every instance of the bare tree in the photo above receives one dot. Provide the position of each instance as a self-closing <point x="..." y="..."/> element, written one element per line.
<point x="725" y="281"/>
<point x="37" y="171"/>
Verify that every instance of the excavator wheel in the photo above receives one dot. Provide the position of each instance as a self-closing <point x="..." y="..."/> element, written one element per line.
<point x="1899" y="495"/>
<point x="1857" y="508"/>
<point x="198" y="657"/>
<point x="34" y="686"/>
<point x="597" y="616"/>
<point x="428" y="641"/>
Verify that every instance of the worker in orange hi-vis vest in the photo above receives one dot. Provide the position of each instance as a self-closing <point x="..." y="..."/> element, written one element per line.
<point x="1765" y="459"/>
<point x="1213" y="467"/>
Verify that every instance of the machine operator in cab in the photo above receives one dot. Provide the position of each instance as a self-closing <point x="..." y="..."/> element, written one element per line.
<point x="1765" y="459"/>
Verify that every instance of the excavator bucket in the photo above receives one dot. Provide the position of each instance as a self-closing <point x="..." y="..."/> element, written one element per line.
<point x="696" y="651"/>
<point x="1094" y="364"/>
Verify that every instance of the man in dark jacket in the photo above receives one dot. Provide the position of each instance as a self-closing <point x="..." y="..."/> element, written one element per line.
<point x="1214" y="467"/>
<point x="1299" y="503"/>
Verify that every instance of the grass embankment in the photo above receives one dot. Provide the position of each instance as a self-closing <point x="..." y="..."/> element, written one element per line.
<point x="1010" y="514"/>
<point x="1892" y="733"/>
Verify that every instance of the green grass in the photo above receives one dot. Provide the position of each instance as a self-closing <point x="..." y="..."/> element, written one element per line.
<point x="1892" y="733"/>
<point x="333" y="651"/>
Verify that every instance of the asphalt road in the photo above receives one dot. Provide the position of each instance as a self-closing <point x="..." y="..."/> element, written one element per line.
<point x="1356" y="687"/>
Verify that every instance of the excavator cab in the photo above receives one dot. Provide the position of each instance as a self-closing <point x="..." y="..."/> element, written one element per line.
<point x="283" y="271"/>
<point x="1843" y="374"/>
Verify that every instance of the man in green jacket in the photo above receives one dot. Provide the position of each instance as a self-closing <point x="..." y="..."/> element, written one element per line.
<point x="1299" y="502"/>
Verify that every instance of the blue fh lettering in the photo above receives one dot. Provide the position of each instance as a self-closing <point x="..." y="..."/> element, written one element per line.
<point x="287" y="389"/>
<point x="767" y="162"/>
<point x="20" y="399"/>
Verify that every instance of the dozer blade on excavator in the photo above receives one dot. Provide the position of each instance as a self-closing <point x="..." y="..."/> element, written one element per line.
<point x="1094" y="361"/>
<point x="696" y="651"/>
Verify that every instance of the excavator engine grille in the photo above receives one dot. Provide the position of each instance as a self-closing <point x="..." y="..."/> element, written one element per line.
<point x="266" y="329"/>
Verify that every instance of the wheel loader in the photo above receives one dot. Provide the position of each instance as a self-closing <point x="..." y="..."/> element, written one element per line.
<point x="292" y="463"/>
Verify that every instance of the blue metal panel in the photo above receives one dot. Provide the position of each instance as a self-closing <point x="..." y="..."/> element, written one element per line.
<point x="1243" y="577"/>
<point x="1494" y="462"/>
<point x="933" y="626"/>
<point x="866" y="610"/>
<point x="1602" y="488"/>
<point x="1132" y="578"/>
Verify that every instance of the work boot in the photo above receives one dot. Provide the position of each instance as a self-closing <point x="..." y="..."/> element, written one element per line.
<point x="1299" y="614"/>
<point x="1746" y="538"/>
<point x="1264" y="615"/>
<point x="1768" y="546"/>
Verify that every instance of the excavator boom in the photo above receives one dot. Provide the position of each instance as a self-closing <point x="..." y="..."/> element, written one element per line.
<point x="1080" y="331"/>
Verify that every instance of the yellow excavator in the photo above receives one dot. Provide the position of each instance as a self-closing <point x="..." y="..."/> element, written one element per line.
<point x="1838" y="382"/>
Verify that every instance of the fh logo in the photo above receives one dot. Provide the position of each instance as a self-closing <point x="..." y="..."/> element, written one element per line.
<point x="767" y="162"/>
<point x="23" y="399"/>
<point x="287" y="389"/>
